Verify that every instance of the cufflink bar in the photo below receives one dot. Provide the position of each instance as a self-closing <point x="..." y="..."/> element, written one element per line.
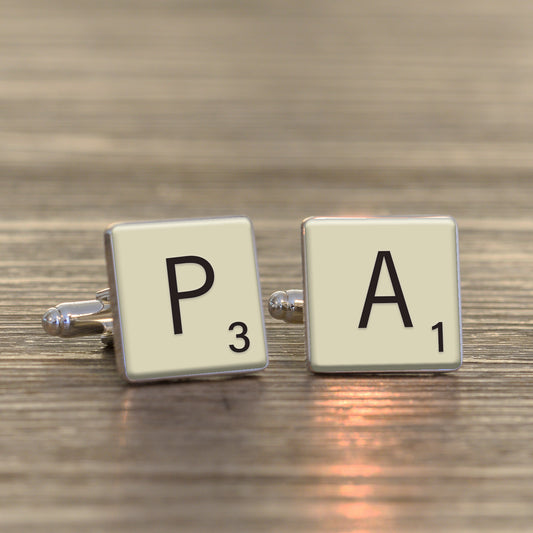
<point x="78" y="319"/>
<point x="287" y="306"/>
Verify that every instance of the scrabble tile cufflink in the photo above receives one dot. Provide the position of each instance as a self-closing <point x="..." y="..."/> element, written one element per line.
<point x="380" y="294"/>
<point x="184" y="300"/>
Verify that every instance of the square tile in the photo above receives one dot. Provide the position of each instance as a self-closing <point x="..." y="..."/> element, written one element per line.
<point x="382" y="294"/>
<point x="186" y="298"/>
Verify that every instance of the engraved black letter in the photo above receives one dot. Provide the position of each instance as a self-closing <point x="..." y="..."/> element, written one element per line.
<point x="371" y="297"/>
<point x="175" y="295"/>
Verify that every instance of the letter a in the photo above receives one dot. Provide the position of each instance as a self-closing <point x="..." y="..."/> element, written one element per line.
<point x="372" y="299"/>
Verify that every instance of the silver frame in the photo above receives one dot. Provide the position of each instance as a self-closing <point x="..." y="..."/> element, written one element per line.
<point x="369" y="370"/>
<point x="120" y="355"/>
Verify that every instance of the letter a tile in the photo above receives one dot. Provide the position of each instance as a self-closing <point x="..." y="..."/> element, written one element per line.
<point x="186" y="298"/>
<point x="382" y="294"/>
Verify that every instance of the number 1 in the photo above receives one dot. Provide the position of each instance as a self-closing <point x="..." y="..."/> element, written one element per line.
<point x="438" y="326"/>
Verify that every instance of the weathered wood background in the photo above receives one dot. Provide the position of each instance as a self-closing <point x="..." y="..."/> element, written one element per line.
<point x="148" y="109"/>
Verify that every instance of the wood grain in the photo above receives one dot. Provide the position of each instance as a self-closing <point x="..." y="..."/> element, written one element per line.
<point x="131" y="110"/>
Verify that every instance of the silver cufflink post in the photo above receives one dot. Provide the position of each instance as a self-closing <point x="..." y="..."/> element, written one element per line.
<point x="78" y="319"/>
<point x="287" y="306"/>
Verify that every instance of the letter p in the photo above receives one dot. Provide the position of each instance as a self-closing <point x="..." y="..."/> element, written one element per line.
<point x="175" y="295"/>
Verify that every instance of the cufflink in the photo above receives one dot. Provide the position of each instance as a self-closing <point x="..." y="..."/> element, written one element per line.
<point x="184" y="300"/>
<point x="380" y="294"/>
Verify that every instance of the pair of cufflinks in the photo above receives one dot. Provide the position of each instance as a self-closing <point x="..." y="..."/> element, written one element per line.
<point x="380" y="294"/>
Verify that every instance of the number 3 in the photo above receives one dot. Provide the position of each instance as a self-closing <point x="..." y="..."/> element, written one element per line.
<point x="241" y="335"/>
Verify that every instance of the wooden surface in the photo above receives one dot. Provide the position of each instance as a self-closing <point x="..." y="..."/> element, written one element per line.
<point x="131" y="110"/>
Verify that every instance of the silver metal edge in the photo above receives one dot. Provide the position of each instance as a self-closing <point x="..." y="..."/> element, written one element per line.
<point x="368" y="370"/>
<point x="115" y="305"/>
<point x="306" y="294"/>
<point x="260" y="296"/>
<point x="118" y="345"/>
<point x="459" y="295"/>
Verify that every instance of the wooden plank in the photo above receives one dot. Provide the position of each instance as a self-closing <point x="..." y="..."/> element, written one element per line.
<point x="149" y="110"/>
